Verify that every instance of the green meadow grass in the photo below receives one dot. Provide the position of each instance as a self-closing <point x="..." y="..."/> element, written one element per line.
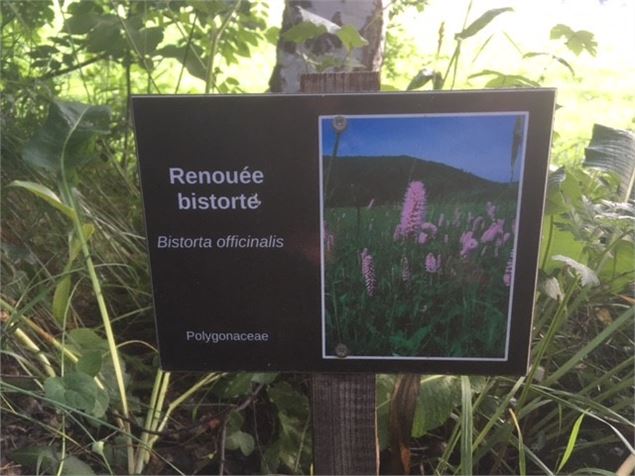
<point x="459" y="311"/>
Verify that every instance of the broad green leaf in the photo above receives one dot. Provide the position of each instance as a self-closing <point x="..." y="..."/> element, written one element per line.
<point x="438" y="396"/>
<point x="44" y="459"/>
<point x="573" y="437"/>
<point x="78" y="390"/>
<point x="586" y="274"/>
<point x="242" y="440"/>
<point x="45" y="194"/>
<point x="576" y="41"/>
<point x="67" y="137"/>
<point x="264" y="377"/>
<point x="146" y="40"/>
<point x="90" y="363"/>
<point x="81" y="22"/>
<point x="304" y="31"/>
<point x="481" y="22"/>
<point x="38" y="458"/>
<point x="350" y="37"/>
<point x="106" y="37"/>
<point x="234" y="385"/>
<point x="87" y="339"/>
<point x="191" y="57"/>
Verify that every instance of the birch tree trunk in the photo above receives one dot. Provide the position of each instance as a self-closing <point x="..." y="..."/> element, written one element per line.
<point x="367" y="16"/>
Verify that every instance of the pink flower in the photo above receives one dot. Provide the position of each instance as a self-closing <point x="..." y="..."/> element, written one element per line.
<point x="433" y="264"/>
<point x="422" y="238"/>
<point x="507" y="277"/>
<point x="468" y="244"/>
<point x="491" y="210"/>
<point x="429" y="228"/>
<point x="413" y="213"/>
<point x="406" y="275"/>
<point x="494" y="230"/>
<point x="368" y="272"/>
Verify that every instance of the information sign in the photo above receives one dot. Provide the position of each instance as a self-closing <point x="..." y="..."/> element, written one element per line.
<point x="390" y="232"/>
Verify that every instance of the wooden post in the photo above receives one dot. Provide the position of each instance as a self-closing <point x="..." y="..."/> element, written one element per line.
<point x="343" y="405"/>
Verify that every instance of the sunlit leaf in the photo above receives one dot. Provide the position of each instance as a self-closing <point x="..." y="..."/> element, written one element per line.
<point x="45" y="194"/>
<point x="350" y="37"/>
<point x="576" y="41"/>
<point x="481" y="22"/>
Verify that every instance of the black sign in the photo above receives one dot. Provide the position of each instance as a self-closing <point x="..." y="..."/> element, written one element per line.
<point x="345" y="232"/>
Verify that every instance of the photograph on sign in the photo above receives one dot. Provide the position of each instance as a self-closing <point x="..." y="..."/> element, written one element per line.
<point x="419" y="215"/>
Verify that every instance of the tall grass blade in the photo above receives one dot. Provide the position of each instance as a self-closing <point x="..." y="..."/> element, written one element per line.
<point x="522" y="464"/>
<point x="467" y="426"/>
<point x="573" y="437"/>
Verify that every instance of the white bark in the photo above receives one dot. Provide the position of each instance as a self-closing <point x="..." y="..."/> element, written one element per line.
<point x="365" y="15"/>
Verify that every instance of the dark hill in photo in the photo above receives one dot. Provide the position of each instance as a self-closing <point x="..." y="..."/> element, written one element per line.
<point x="355" y="181"/>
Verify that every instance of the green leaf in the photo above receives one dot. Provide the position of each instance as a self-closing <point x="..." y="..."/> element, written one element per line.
<point x="191" y="56"/>
<point x="81" y="22"/>
<point x="242" y="440"/>
<point x="78" y="390"/>
<point x="502" y="80"/>
<point x="350" y="37"/>
<point x="234" y="385"/>
<point x="422" y="78"/>
<point x="45" y="194"/>
<point x="264" y="377"/>
<point x="44" y="459"/>
<point x="303" y="31"/>
<point x="67" y="138"/>
<point x="62" y="292"/>
<point x="576" y="41"/>
<point x="106" y="37"/>
<point x="85" y="339"/>
<point x="146" y="40"/>
<point x="586" y="274"/>
<point x="438" y="396"/>
<point x="481" y="22"/>
<point x="573" y="437"/>
<point x="39" y="458"/>
<point x="467" y="426"/>
<point x="90" y="363"/>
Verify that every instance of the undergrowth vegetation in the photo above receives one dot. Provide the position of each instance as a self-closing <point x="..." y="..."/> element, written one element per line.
<point x="82" y="391"/>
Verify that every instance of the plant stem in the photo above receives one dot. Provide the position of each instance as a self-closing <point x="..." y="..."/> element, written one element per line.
<point x="210" y="81"/>
<point x="103" y="310"/>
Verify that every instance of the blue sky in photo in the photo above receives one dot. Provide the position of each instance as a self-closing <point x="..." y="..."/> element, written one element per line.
<point x="478" y="144"/>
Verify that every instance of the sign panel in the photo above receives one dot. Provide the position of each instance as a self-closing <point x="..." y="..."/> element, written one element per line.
<point x="345" y="232"/>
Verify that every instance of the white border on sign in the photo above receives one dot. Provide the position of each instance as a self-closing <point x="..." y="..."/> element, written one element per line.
<point x="521" y="181"/>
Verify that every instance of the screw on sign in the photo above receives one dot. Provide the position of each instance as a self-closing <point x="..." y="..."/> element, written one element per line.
<point x="339" y="124"/>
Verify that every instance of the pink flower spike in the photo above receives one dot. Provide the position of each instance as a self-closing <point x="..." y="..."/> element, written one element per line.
<point x="413" y="213"/>
<point x="507" y="277"/>
<point x="406" y="275"/>
<point x="422" y="239"/>
<point x="433" y="264"/>
<point x="368" y="272"/>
